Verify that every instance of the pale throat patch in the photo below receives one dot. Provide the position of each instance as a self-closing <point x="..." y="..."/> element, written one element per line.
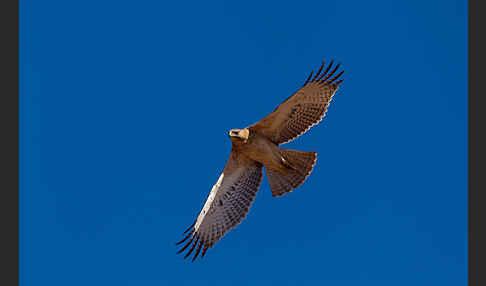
<point x="245" y="133"/>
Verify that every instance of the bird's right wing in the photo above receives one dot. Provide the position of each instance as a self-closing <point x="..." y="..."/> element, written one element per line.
<point x="303" y="109"/>
<point x="227" y="204"/>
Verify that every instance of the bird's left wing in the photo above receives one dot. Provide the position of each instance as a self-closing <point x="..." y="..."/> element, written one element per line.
<point x="226" y="206"/>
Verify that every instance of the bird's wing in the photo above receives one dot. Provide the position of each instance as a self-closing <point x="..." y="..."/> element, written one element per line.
<point x="303" y="109"/>
<point x="226" y="206"/>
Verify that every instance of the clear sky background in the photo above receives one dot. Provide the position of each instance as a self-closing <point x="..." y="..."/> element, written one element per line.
<point x="124" y="113"/>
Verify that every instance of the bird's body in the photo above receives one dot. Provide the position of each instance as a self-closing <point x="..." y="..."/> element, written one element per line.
<point x="257" y="147"/>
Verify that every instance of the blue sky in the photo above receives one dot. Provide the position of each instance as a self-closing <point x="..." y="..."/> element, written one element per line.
<point x="124" y="113"/>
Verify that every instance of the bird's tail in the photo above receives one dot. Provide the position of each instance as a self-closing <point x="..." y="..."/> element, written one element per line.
<point x="299" y="165"/>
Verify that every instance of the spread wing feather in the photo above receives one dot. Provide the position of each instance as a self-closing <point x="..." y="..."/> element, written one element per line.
<point x="226" y="206"/>
<point x="303" y="109"/>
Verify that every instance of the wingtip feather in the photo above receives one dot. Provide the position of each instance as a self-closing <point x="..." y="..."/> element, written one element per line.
<point x="310" y="75"/>
<point x="192" y="247"/>
<point x="185" y="246"/>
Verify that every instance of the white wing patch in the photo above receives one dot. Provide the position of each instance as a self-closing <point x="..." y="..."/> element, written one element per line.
<point x="209" y="201"/>
<point x="226" y="206"/>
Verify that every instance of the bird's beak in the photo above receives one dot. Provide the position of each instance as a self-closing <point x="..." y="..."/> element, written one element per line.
<point x="233" y="133"/>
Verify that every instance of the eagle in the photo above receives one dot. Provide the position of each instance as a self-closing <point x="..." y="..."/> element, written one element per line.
<point x="257" y="146"/>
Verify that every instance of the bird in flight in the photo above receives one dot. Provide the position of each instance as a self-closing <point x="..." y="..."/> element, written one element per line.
<point x="255" y="147"/>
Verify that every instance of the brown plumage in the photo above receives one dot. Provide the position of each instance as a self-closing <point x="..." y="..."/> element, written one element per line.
<point x="255" y="147"/>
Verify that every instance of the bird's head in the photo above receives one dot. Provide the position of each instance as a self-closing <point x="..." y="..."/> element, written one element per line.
<point x="239" y="135"/>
